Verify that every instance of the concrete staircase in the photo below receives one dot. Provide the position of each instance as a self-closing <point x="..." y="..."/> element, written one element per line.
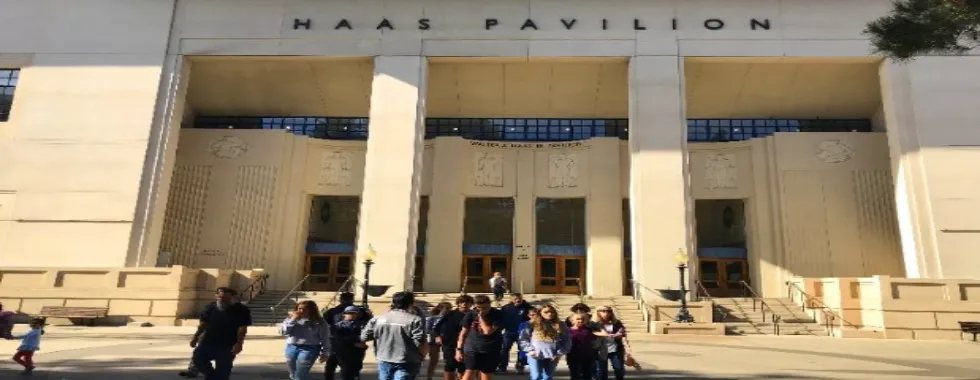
<point x="740" y="318"/>
<point x="262" y="315"/>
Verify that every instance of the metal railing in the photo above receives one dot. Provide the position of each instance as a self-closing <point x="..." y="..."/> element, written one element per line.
<point x="462" y="289"/>
<point x="347" y="286"/>
<point x="581" y="289"/>
<point x="701" y="293"/>
<point x="807" y="301"/>
<point x="758" y="303"/>
<point x="255" y="289"/>
<point x="641" y="303"/>
<point x="292" y="293"/>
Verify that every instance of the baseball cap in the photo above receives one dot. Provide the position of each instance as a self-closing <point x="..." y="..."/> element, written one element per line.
<point x="352" y="310"/>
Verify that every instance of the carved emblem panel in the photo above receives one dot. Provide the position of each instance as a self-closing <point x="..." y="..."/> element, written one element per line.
<point x="720" y="171"/>
<point x="335" y="168"/>
<point x="562" y="170"/>
<point x="488" y="169"/>
<point x="228" y="147"/>
<point x="834" y="151"/>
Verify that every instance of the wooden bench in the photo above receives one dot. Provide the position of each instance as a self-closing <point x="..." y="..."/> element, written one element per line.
<point x="970" y="328"/>
<point x="89" y="314"/>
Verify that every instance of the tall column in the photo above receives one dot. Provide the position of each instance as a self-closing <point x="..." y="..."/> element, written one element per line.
<point x="604" y="271"/>
<point x="444" y="250"/>
<point x="524" y="261"/>
<point x="911" y="196"/>
<point x="158" y="168"/>
<point x="658" y="196"/>
<point x="393" y="170"/>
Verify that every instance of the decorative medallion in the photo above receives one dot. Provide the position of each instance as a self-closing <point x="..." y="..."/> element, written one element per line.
<point x="562" y="170"/>
<point x="335" y="167"/>
<point x="228" y="147"/>
<point x="720" y="171"/>
<point x="834" y="151"/>
<point x="488" y="169"/>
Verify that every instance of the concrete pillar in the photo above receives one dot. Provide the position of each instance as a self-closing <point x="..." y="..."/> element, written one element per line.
<point x="915" y="220"/>
<point x="525" y="258"/>
<point x="444" y="249"/>
<point x="604" y="273"/>
<point x="658" y="187"/>
<point x="158" y="168"/>
<point x="393" y="170"/>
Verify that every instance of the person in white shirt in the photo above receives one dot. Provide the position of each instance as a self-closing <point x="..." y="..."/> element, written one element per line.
<point x="498" y="285"/>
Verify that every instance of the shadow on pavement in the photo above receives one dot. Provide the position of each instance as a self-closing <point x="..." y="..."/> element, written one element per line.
<point x="158" y="369"/>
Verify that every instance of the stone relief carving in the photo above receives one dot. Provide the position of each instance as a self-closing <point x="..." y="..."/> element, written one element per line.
<point x="834" y="151"/>
<point x="720" y="171"/>
<point x="335" y="168"/>
<point x="228" y="147"/>
<point x="488" y="169"/>
<point x="562" y="170"/>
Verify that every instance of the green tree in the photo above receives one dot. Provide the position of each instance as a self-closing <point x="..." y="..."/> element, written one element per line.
<point x="918" y="27"/>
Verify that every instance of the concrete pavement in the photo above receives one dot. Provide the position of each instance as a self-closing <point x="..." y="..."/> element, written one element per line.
<point x="90" y="353"/>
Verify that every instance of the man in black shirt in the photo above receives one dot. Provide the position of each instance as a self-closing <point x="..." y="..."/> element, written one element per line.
<point x="514" y="313"/>
<point x="335" y="315"/>
<point x="480" y="339"/>
<point x="224" y="324"/>
<point x="447" y="331"/>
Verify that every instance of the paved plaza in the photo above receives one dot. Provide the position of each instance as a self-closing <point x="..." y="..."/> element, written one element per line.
<point x="160" y="352"/>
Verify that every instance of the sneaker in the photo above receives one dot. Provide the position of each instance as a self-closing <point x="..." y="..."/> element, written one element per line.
<point x="188" y="374"/>
<point x="520" y="370"/>
<point x="28" y="371"/>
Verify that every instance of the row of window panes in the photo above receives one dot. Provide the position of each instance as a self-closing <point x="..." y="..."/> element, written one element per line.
<point x="8" y="83"/>
<point x="515" y="129"/>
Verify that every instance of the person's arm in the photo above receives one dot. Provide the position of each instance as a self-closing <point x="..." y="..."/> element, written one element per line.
<point x="417" y="329"/>
<point x="287" y="326"/>
<point x="367" y="334"/>
<point x="324" y="332"/>
<point x="467" y="322"/>
<point x="524" y="341"/>
<point x="202" y="325"/>
<point x="564" y="342"/>
<point x="242" y="330"/>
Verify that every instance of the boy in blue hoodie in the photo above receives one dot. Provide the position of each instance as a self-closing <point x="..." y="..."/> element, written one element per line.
<point x="346" y="343"/>
<point x="521" y="354"/>
<point x="30" y="343"/>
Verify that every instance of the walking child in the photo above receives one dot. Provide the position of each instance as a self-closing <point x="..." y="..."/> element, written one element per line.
<point x="346" y="344"/>
<point x="30" y="343"/>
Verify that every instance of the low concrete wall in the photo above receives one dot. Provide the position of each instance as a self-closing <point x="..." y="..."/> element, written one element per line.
<point x="156" y="295"/>
<point x="897" y="308"/>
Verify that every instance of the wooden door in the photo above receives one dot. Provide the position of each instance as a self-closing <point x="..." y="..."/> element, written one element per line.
<point x="560" y="274"/>
<point x="328" y="272"/>
<point x="477" y="270"/>
<point x="722" y="277"/>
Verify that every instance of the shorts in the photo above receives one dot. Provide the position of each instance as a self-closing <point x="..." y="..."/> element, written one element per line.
<point x="485" y="362"/>
<point x="449" y="361"/>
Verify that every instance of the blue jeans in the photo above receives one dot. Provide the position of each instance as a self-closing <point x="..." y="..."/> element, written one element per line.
<point x="509" y="340"/>
<point x="619" y="369"/>
<point x="222" y="357"/>
<point x="398" y="371"/>
<point x="541" y="369"/>
<point x="300" y="359"/>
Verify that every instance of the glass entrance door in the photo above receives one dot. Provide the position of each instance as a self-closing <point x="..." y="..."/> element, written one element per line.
<point x="722" y="277"/>
<point x="560" y="274"/>
<point x="477" y="270"/>
<point x="328" y="271"/>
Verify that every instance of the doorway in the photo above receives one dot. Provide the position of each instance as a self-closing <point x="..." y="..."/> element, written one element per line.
<point x="722" y="252"/>
<point x="328" y="272"/>
<point x="477" y="270"/>
<point x="723" y="277"/>
<point x="560" y="275"/>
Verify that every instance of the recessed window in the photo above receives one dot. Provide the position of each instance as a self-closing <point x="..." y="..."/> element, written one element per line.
<point x="8" y="83"/>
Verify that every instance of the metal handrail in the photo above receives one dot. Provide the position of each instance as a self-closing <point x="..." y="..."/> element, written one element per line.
<point x="699" y="290"/>
<point x="581" y="289"/>
<point x="830" y="316"/>
<point x="255" y="289"/>
<point x="762" y="305"/>
<point x="343" y="287"/>
<point x="638" y="296"/>
<point x="462" y="289"/>
<point x="290" y="294"/>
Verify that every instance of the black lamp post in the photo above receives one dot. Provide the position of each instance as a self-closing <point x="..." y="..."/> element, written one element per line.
<point x="683" y="315"/>
<point x="368" y="262"/>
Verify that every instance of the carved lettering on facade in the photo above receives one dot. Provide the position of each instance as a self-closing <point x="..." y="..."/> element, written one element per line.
<point x="834" y="151"/>
<point x="720" y="171"/>
<point x="335" y="167"/>
<point x="488" y="169"/>
<point x="562" y="170"/>
<point x="228" y="147"/>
